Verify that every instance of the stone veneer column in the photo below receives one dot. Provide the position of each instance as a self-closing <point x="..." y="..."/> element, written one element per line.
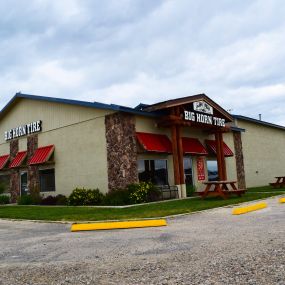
<point x="33" y="171"/>
<point x="14" y="176"/>
<point x="121" y="150"/>
<point x="239" y="160"/>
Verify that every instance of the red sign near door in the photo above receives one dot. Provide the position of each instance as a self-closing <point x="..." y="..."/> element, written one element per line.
<point x="200" y="168"/>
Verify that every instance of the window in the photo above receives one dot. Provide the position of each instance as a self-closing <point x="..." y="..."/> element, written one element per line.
<point x="5" y="183"/>
<point x="212" y="167"/>
<point x="154" y="171"/>
<point x="47" y="180"/>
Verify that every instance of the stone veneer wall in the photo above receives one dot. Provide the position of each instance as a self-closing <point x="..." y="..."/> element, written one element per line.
<point x="14" y="176"/>
<point x="33" y="170"/>
<point x="239" y="160"/>
<point x="121" y="150"/>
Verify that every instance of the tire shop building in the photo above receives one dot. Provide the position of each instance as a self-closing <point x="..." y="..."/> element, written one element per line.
<point x="56" y="145"/>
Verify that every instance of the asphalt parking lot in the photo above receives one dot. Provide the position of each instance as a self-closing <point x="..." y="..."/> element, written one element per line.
<point x="212" y="247"/>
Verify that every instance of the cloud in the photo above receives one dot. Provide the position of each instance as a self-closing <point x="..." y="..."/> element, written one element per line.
<point x="127" y="52"/>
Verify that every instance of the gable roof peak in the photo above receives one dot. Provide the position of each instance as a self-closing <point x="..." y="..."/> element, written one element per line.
<point x="187" y="100"/>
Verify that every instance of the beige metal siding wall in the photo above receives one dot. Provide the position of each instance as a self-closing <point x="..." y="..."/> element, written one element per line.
<point x="4" y="147"/>
<point x="78" y="134"/>
<point x="264" y="155"/>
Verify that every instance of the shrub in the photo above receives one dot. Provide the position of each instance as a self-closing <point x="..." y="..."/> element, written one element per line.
<point x="33" y="198"/>
<point x="61" y="199"/>
<point x="29" y="200"/>
<point x="117" y="197"/>
<point x="143" y="192"/>
<point x="49" y="200"/>
<point x="82" y="197"/>
<point x="4" y="199"/>
<point x="54" y="200"/>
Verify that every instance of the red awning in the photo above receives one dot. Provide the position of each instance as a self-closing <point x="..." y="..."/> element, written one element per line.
<point x="42" y="155"/>
<point x="155" y="142"/>
<point x="3" y="160"/>
<point x="212" y="147"/>
<point x="18" y="160"/>
<point x="193" y="146"/>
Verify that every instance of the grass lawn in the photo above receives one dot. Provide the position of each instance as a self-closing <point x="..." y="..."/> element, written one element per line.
<point x="142" y="211"/>
<point x="266" y="189"/>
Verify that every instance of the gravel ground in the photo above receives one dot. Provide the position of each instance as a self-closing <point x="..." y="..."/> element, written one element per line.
<point x="212" y="247"/>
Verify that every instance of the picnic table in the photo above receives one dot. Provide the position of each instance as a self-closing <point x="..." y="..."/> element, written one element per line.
<point x="221" y="188"/>
<point x="280" y="182"/>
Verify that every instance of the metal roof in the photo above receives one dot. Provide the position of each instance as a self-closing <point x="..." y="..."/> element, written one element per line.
<point x="96" y="105"/>
<point x="256" y="121"/>
<point x="138" y="110"/>
<point x="19" y="159"/>
<point x="211" y="144"/>
<point x="237" y="129"/>
<point x="42" y="155"/>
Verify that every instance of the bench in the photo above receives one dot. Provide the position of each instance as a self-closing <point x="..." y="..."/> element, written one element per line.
<point x="168" y="192"/>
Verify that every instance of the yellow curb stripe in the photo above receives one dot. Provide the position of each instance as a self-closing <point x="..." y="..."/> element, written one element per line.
<point x="250" y="208"/>
<point x="282" y="200"/>
<point x="118" y="225"/>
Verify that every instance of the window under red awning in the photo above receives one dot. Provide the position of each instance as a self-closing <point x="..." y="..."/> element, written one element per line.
<point x="211" y="144"/>
<point x="154" y="142"/>
<point x="4" y="160"/>
<point x="18" y="160"/>
<point x="42" y="155"/>
<point x="193" y="146"/>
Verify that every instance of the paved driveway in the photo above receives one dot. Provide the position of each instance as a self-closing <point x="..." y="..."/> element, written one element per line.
<point x="212" y="247"/>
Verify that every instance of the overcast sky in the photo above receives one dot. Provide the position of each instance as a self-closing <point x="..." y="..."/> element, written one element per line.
<point x="131" y="51"/>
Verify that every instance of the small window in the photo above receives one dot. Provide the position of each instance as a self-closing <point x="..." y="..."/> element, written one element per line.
<point x="212" y="167"/>
<point x="154" y="171"/>
<point x="47" y="180"/>
<point x="5" y="183"/>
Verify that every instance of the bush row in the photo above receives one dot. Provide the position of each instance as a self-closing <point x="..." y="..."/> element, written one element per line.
<point x="38" y="200"/>
<point x="4" y="199"/>
<point x="135" y="193"/>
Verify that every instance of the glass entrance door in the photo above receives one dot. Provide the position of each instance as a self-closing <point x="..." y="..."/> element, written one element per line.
<point x="24" y="183"/>
<point x="188" y="171"/>
<point x="188" y="175"/>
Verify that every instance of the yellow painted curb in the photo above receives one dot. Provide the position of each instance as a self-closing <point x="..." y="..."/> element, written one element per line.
<point x="282" y="200"/>
<point x="246" y="209"/>
<point x="118" y="225"/>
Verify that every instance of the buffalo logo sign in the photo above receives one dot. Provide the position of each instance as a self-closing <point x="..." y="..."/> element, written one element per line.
<point x="203" y="107"/>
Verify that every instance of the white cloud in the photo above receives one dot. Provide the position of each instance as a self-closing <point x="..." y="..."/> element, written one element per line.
<point x="55" y="74"/>
<point x="127" y="52"/>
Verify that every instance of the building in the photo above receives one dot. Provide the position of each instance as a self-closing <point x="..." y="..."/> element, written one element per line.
<point x="262" y="150"/>
<point x="56" y="145"/>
